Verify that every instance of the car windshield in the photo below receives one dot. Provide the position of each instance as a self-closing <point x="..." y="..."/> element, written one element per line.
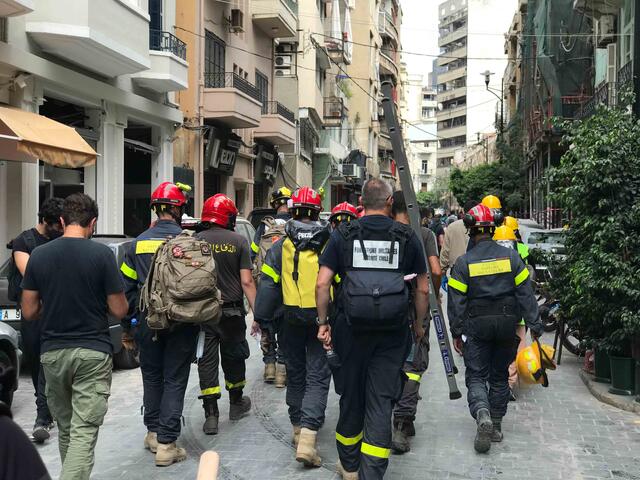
<point x="546" y="237"/>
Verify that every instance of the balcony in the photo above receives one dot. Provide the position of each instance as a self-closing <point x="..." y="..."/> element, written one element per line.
<point x="452" y="113"/>
<point x="13" y="8"/>
<point x="388" y="66"/>
<point x="453" y="36"/>
<point x="277" y="125"/>
<point x="451" y="94"/>
<point x="451" y="132"/>
<point x="334" y="111"/>
<point x="522" y="5"/>
<point x="387" y="27"/>
<point x="276" y="18"/>
<point x="454" y="74"/>
<point x="82" y="32"/>
<point x="598" y="8"/>
<point x="232" y="100"/>
<point x="451" y="56"/>
<point x="169" y="68"/>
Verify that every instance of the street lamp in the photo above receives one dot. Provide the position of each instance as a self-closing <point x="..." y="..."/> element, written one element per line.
<point x="487" y="78"/>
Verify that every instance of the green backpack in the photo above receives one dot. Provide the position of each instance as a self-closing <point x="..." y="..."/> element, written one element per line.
<point x="273" y="231"/>
<point x="182" y="285"/>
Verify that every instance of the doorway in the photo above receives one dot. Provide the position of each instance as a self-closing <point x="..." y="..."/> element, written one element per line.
<point x="138" y="153"/>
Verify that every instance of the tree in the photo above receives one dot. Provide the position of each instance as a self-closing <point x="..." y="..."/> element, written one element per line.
<point x="427" y="199"/>
<point x="598" y="181"/>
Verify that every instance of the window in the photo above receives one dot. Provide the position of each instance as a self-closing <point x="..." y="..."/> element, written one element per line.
<point x="214" y="60"/>
<point x="262" y="84"/>
<point x="425" y="166"/>
<point x="320" y="79"/>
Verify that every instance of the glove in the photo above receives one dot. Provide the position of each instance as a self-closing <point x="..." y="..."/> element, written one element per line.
<point x="537" y="333"/>
<point x="128" y="341"/>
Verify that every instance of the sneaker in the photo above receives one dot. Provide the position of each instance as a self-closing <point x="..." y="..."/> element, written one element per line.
<point x="40" y="432"/>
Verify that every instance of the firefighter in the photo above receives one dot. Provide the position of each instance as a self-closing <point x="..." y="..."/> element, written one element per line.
<point x="289" y="278"/>
<point x="228" y="335"/>
<point x="523" y="249"/>
<point x="342" y="212"/>
<point x="489" y="293"/>
<point x="416" y="364"/>
<point x="270" y="338"/>
<point x="165" y="356"/>
<point x="371" y="334"/>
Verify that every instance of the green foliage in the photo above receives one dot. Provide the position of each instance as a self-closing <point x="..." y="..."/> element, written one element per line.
<point x="505" y="178"/>
<point x="427" y="199"/>
<point x="598" y="180"/>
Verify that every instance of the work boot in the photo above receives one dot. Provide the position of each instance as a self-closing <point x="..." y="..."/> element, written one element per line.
<point x="169" y="453"/>
<point x="497" y="435"/>
<point x="40" y="431"/>
<point x="239" y="405"/>
<point x="409" y="428"/>
<point x="306" y="452"/>
<point x="346" y="475"/>
<point x="211" y="414"/>
<point x="482" y="443"/>
<point x="296" y="435"/>
<point x="400" y="440"/>
<point x="269" y="372"/>
<point x="151" y="442"/>
<point x="281" y="375"/>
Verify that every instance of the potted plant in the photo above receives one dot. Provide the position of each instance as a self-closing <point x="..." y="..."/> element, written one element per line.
<point x="623" y="369"/>
<point x="601" y="365"/>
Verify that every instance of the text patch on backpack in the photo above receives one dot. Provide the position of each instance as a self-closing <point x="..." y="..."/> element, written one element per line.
<point x="378" y="252"/>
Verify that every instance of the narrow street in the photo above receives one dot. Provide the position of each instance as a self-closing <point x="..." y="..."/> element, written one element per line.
<point x="557" y="433"/>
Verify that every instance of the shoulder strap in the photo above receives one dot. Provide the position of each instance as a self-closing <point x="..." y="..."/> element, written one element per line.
<point x="30" y="239"/>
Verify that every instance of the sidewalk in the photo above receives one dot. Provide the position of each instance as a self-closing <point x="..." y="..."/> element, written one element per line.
<point x="599" y="390"/>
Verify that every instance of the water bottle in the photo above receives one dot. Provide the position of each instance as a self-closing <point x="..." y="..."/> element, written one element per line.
<point x="333" y="359"/>
<point x="200" y="345"/>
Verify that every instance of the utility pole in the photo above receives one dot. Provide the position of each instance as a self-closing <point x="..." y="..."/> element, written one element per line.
<point x="487" y="79"/>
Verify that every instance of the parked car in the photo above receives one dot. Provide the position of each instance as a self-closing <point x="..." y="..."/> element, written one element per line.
<point x="243" y="226"/>
<point x="257" y="214"/>
<point x="550" y="241"/>
<point x="10" y="311"/>
<point x="10" y="356"/>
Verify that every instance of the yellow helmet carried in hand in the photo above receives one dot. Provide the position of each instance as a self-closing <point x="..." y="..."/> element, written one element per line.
<point x="504" y="233"/>
<point x="491" y="201"/>
<point x="532" y="365"/>
<point x="512" y="223"/>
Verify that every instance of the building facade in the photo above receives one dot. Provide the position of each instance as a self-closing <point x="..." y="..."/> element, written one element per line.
<point x="109" y="69"/>
<point x="466" y="106"/>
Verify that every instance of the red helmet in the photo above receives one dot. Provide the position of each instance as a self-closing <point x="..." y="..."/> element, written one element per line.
<point x="168" y="193"/>
<point x="479" y="216"/>
<point x="220" y="210"/>
<point x="343" y="211"/>
<point x="306" y="197"/>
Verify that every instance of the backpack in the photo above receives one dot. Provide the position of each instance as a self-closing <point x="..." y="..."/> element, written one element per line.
<point x="374" y="294"/>
<point x="14" y="290"/>
<point x="182" y="285"/>
<point x="273" y="231"/>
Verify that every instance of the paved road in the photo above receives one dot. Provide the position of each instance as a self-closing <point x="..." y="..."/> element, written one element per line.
<point x="557" y="433"/>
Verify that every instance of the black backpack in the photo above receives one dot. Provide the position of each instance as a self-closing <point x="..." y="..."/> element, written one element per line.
<point x="14" y="290"/>
<point x="374" y="295"/>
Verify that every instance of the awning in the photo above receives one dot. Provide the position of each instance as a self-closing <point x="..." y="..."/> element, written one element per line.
<point x="29" y="137"/>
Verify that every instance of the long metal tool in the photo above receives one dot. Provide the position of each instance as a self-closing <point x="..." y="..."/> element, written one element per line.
<point x="402" y="163"/>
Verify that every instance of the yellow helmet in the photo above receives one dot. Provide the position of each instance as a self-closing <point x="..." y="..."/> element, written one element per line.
<point x="491" y="201"/>
<point x="504" y="233"/>
<point x="512" y="223"/>
<point x="532" y="365"/>
<point x="280" y="197"/>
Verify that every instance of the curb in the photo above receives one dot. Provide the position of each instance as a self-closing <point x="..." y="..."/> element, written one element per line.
<point x="600" y="392"/>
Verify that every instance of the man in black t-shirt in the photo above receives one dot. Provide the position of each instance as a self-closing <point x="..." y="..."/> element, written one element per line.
<point x="371" y="333"/>
<point x="228" y="336"/>
<point x="72" y="284"/>
<point x="48" y="228"/>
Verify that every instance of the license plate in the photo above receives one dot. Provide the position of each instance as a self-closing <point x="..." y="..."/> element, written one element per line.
<point x="10" y="314"/>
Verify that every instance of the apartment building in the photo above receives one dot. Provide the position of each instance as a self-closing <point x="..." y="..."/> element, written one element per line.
<point x="109" y="70"/>
<point x="468" y="108"/>
<point x="240" y="118"/>
<point x="418" y="111"/>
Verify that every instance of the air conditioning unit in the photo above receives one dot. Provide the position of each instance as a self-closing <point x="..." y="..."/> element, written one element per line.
<point x="285" y="48"/>
<point x="236" y="22"/>
<point x="606" y="30"/>
<point x="349" y="170"/>
<point x="282" y="65"/>
<point x="612" y="62"/>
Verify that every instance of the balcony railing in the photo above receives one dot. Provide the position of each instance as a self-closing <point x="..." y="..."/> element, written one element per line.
<point x="334" y="108"/>
<point x="232" y="80"/>
<point x="292" y="4"/>
<point x="276" y="108"/>
<point x="167" y="42"/>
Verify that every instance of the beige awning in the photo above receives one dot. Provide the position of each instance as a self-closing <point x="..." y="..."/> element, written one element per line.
<point x="29" y="137"/>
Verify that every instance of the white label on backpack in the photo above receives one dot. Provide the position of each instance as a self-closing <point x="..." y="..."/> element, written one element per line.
<point x="377" y="254"/>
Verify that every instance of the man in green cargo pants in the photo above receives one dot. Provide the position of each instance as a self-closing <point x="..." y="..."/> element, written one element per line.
<point x="72" y="284"/>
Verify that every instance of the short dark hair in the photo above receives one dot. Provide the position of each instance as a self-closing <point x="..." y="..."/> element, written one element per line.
<point x="399" y="203"/>
<point x="469" y="204"/>
<point x="51" y="210"/>
<point x="375" y="193"/>
<point x="79" y="209"/>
